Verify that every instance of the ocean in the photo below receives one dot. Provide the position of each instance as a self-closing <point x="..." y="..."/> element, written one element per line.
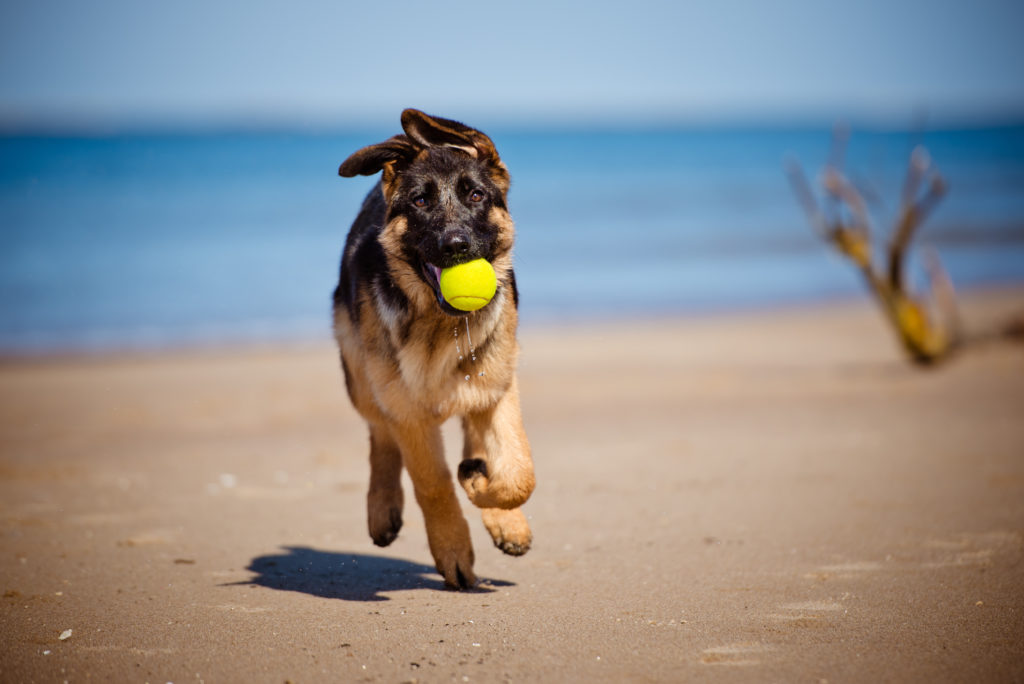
<point x="161" y="241"/>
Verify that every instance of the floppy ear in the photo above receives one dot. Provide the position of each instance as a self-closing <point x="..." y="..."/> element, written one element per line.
<point x="427" y="131"/>
<point x="370" y="160"/>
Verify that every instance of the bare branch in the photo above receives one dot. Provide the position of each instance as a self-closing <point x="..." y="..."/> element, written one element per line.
<point x="854" y="239"/>
<point x="944" y="296"/>
<point x="929" y="328"/>
<point x="912" y="214"/>
<point x="921" y="338"/>
<point x="805" y="197"/>
<point x="920" y="160"/>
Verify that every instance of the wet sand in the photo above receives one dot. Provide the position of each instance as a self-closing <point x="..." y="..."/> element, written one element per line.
<point x="755" y="497"/>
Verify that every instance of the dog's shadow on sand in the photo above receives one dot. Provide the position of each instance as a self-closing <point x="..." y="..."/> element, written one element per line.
<point x="346" y="576"/>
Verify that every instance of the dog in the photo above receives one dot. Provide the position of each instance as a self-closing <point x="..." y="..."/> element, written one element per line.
<point x="411" y="360"/>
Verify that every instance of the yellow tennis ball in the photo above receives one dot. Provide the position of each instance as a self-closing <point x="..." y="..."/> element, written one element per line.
<point x="469" y="286"/>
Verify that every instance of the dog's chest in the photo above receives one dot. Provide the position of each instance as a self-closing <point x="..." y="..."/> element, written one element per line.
<point x="448" y="372"/>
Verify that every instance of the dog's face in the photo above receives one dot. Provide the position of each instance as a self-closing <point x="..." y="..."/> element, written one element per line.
<point x="445" y="190"/>
<point x="451" y="211"/>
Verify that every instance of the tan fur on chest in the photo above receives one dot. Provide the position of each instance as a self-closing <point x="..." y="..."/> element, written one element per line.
<point x="424" y="377"/>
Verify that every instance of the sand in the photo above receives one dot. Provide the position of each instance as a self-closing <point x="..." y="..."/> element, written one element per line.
<point x="755" y="497"/>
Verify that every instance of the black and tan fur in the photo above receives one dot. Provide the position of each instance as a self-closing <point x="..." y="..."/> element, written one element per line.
<point x="441" y="201"/>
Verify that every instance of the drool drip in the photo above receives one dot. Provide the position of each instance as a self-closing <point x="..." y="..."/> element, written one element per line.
<point x="469" y="344"/>
<point x="469" y="341"/>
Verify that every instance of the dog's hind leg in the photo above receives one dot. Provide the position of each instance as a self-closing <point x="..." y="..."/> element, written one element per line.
<point x="497" y="469"/>
<point x="509" y="529"/>
<point x="447" y="530"/>
<point x="384" y="500"/>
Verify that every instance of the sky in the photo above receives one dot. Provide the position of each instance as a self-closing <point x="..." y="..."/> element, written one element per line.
<point x="111" y="63"/>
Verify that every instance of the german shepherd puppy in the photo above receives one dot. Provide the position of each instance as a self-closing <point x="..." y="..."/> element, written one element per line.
<point x="411" y="360"/>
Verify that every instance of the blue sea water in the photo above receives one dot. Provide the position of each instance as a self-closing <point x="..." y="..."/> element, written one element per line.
<point x="140" y="241"/>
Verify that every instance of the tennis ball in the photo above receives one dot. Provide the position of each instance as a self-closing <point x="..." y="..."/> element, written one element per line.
<point x="469" y="286"/>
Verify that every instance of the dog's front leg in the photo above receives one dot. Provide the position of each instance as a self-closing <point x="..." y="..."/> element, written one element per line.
<point x="447" y="530"/>
<point x="384" y="500"/>
<point x="497" y="469"/>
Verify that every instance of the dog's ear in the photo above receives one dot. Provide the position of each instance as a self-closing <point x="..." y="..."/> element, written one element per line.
<point x="428" y="131"/>
<point x="370" y="160"/>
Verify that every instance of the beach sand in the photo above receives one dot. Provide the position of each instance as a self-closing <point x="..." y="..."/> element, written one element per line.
<point x="744" y="497"/>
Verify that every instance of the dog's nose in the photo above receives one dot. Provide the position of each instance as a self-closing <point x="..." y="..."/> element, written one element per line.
<point x="453" y="244"/>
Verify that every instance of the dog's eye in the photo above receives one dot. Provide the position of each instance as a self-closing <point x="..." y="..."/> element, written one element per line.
<point x="476" y="196"/>
<point x="419" y="202"/>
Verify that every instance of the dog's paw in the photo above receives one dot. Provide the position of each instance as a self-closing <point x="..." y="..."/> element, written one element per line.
<point x="451" y="547"/>
<point x="456" y="567"/>
<point x="485" y="491"/>
<point x="384" y="516"/>
<point x="457" y="574"/>
<point x="509" y="529"/>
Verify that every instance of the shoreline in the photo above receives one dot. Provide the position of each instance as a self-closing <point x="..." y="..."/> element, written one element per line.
<point x="536" y="324"/>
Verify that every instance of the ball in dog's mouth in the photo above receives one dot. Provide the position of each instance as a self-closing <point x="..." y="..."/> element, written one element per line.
<point x="462" y="288"/>
<point x="469" y="286"/>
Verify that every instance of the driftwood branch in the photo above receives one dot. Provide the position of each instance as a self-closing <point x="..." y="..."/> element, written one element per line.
<point x="928" y="328"/>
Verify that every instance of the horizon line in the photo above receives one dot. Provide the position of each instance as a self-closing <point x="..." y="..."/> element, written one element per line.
<point x="110" y="126"/>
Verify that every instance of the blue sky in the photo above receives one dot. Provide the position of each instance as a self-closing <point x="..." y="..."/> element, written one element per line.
<point x="323" y="63"/>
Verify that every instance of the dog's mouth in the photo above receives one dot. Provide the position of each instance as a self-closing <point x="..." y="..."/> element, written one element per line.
<point x="432" y="275"/>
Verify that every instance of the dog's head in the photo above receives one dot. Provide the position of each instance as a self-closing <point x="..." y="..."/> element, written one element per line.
<point x="445" y="190"/>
